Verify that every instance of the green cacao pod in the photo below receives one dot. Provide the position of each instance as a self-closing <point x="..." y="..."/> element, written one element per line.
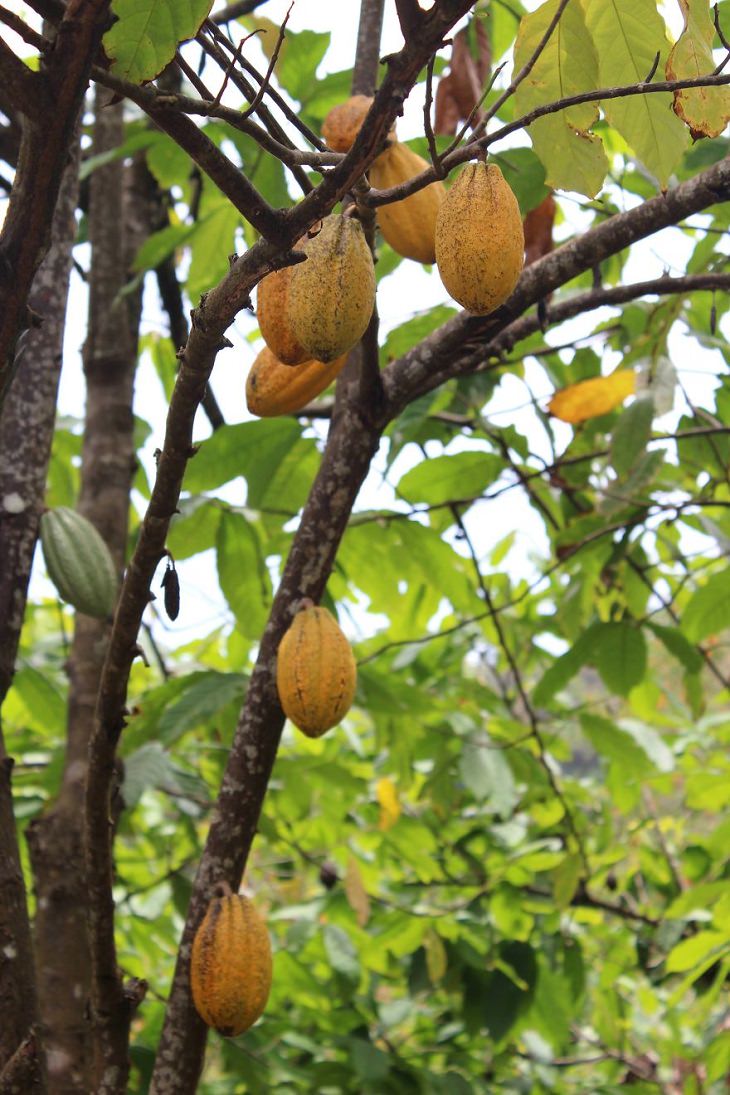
<point x="316" y="674"/>
<point x="273" y="388"/>
<point x="78" y="562"/>
<point x="272" y="312"/>
<point x="409" y="226"/>
<point x="230" y="965"/>
<point x="332" y="294"/>
<point x="480" y="243"/>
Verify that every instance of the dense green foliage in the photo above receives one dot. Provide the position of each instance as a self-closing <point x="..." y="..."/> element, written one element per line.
<point x="539" y="612"/>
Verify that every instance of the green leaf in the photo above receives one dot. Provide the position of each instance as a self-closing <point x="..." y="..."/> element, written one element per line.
<point x="566" y="666"/>
<point x="708" y="610"/>
<point x="194" y="528"/>
<point x="341" y="952"/>
<point x="525" y="174"/>
<point x="251" y="449"/>
<point x="616" y="745"/>
<point x="41" y="698"/>
<point x="242" y="574"/>
<point x="206" y="694"/>
<point x="369" y="1062"/>
<point x="679" y="647"/>
<point x="690" y="952"/>
<point x="626" y="35"/>
<point x="147" y="32"/>
<point x="574" y="159"/>
<point x="148" y="766"/>
<point x="463" y="475"/>
<point x="487" y="774"/>
<point x="510" y="988"/>
<point x="631" y="434"/>
<point x="619" y="650"/>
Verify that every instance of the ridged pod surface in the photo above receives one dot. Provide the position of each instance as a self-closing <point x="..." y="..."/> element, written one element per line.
<point x="78" y="562"/>
<point x="342" y="124"/>
<point x="332" y="294"/>
<point x="480" y="243"/>
<point x="316" y="674"/>
<point x="272" y="312"/>
<point x="273" y="388"/>
<point x="409" y="226"/>
<point x="230" y="965"/>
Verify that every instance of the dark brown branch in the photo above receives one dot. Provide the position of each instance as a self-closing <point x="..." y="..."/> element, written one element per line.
<point x="410" y="15"/>
<point x="43" y="155"/>
<point x="228" y="178"/>
<point x="24" y="1072"/>
<point x="469" y="150"/>
<point x="25" y="90"/>
<point x="367" y="56"/>
<point x="21" y="28"/>
<point x="266" y="83"/>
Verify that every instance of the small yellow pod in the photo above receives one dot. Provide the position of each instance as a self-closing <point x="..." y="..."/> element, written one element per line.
<point x="409" y="226"/>
<point x="316" y="675"/>
<point x="273" y="388"/>
<point x="480" y="242"/>
<point x="230" y="965"/>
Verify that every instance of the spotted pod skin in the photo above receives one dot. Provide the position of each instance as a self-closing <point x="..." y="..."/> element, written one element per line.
<point x="230" y="965"/>
<point x="316" y="674"/>
<point x="342" y="124"/>
<point x="273" y="388"/>
<point x="332" y="294"/>
<point x="409" y="226"/>
<point x="272" y="312"/>
<point x="78" y="562"/>
<point x="480" y="243"/>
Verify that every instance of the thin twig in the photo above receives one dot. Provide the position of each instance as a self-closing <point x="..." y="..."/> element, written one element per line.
<point x="272" y="65"/>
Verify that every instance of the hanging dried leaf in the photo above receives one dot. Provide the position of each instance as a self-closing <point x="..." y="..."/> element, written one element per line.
<point x="460" y="90"/>
<point x="356" y="893"/>
<point x="538" y="226"/>
<point x="171" y="586"/>
<point x="387" y="796"/>
<point x="591" y="398"/>
<point x="706" y="110"/>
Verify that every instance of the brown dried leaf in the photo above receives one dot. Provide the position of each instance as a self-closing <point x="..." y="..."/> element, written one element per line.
<point x="538" y="225"/>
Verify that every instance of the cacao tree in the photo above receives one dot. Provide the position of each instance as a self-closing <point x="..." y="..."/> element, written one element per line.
<point x="506" y="868"/>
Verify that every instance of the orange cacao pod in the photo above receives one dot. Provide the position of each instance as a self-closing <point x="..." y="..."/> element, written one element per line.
<point x="315" y="672"/>
<point x="342" y="124"/>
<point x="230" y="965"/>
<point x="273" y="388"/>
<point x="409" y="226"/>
<point x="272" y="312"/>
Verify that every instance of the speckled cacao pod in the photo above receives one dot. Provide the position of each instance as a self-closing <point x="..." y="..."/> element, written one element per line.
<point x="480" y="244"/>
<point x="409" y="226"/>
<point x="332" y="294"/>
<point x="230" y="965"/>
<point x="342" y="124"/>
<point x="316" y="674"/>
<point x="272" y="312"/>
<point x="273" y="388"/>
<point x="78" y="562"/>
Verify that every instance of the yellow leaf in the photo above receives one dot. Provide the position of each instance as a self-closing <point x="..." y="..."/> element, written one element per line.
<point x="591" y="398"/>
<point x="436" y="960"/>
<point x="387" y="796"/>
<point x="706" y="110"/>
<point x="356" y="893"/>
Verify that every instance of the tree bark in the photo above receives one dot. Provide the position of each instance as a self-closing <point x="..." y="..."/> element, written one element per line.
<point x="26" y="432"/>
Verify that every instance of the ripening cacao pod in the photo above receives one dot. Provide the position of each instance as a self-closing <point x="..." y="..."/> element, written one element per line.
<point x="342" y="124"/>
<point x="332" y="293"/>
<point x="315" y="672"/>
<point x="230" y="965"/>
<point x="78" y="562"/>
<point x="273" y="388"/>
<point x="480" y="244"/>
<point x="272" y="312"/>
<point x="409" y="226"/>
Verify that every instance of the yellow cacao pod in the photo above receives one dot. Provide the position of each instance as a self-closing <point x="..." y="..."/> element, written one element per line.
<point x="315" y="672"/>
<point x="342" y="124"/>
<point x="409" y="226"/>
<point x="273" y="388"/>
<point x="272" y="312"/>
<point x="230" y="965"/>
<point x="332" y="294"/>
<point x="480" y="244"/>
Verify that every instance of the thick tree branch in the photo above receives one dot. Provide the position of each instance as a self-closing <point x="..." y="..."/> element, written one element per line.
<point x="367" y="56"/>
<point x="43" y="155"/>
<point x="25" y="89"/>
<point x="235" y="11"/>
<point x="442" y="355"/>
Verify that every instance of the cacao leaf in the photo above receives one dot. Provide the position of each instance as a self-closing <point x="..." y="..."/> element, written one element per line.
<point x="594" y="397"/>
<point x="706" y="110"/>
